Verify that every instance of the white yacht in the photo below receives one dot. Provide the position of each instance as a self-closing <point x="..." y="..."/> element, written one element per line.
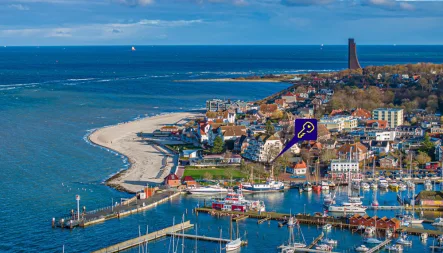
<point x="347" y="209"/>
<point x="327" y="227"/>
<point x="424" y="236"/>
<point x="207" y="190"/>
<point x="382" y="183"/>
<point x="233" y="245"/>
<point x="361" y="248"/>
<point x="307" y="187"/>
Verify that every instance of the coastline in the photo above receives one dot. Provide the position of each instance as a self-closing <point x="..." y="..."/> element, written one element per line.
<point x="232" y="80"/>
<point x="148" y="161"/>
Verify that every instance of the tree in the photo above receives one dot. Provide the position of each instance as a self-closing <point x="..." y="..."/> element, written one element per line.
<point x="207" y="176"/>
<point x="327" y="155"/>
<point x="422" y="158"/>
<point x="229" y="173"/>
<point x="218" y="145"/>
<point x="282" y="162"/>
<point x="269" y="128"/>
<point x="427" y="146"/>
<point x="413" y="121"/>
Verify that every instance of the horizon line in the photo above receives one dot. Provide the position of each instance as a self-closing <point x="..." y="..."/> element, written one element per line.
<point x="191" y="45"/>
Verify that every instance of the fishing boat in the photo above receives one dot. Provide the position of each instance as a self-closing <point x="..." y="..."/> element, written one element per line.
<point x="207" y="190"/>
<point x="323" y="247"/>
<point x="424" y="236"/>
<point x="327" y="227"/>
<point x="235" y="201"/>
<point x="361" y="248"/>
<point x="394" y="248"/>
<point x="270" y="185"/>
<point x="307" y="187"/>
<point x="438" y="222"/>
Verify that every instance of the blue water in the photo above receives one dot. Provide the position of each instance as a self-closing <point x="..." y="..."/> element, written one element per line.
<point x="52" y="97"/>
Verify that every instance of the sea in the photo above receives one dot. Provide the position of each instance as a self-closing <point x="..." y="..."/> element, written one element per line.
<point x="52" y="98"/>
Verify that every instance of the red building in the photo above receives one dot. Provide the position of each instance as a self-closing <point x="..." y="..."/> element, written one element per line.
<point x="172" y="180"/>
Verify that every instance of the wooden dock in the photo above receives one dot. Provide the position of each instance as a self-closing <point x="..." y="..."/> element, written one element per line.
<point x="379" y="246"/>
<point x="419" y="231"/>
<point x="316" y="240"/>
<point x="145" y="238"/>
<point x="199" y="237"/>
<point x="131" y="206"/>
<point x="262" y="220"/>
<point x="240" y="218"/>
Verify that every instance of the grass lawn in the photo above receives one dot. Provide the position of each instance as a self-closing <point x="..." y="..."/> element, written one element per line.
<point x="198" y="173"/>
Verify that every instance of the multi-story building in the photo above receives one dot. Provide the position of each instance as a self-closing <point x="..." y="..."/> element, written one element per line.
<point x="409" y="131"/>
<point x="340" y="166"/>
<point x="394" y="116"/>
<point x="263" y="148"/>
<point x="339" y="123"/>
<point x="382" y="135"/>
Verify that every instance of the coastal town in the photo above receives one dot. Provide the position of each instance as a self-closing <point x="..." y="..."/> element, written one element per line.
<point x="370" y="139"/>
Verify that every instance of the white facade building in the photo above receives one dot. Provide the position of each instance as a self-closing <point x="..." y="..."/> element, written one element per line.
<point x="343" y="166"/>
<point x="382" y="135"/>
<point x="263" y="149"/>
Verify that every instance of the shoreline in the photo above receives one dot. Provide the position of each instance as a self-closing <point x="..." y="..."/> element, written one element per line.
<point x="232" y="80"/>
<point x="146" y="158"/>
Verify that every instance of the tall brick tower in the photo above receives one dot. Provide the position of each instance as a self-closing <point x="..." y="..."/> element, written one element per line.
<point x="352" y="55"/>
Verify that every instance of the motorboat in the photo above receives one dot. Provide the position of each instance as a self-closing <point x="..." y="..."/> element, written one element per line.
<point x="316" y="187"/>
<point x="393" y="186"/>
<point x="382" y="183"/>
<point x="394" y="248"/>
<point x="438" y="222"/>
<point x="361" y="248"/>
<point x="233" y="245"/>
<point x="403" y="241"/>
<point x="402" y="186"/>
<point x="323" y="247"/>
<point x="207" y="190"/>
<point x="369" y="231"/>
<point x="372" y="240"/>
<point x="235" y="201"/>
<point x="327" y="227"/>
<point x="353" y="201"/>
<point x="324" y="186"/>
<point x="329" y="241"/>
<point x="374" y="186"/>
<point x="307" y="187"/>
<point x="424" y="236"/>
<point x="365" y="186"/>
<point x="270" y="185"/>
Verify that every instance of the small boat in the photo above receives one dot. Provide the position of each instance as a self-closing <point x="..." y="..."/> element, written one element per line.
<point x="361" y="248"/>
<point x="328" y="199"/>
<point x="361" y="228"/>
<point x="327" y="227"/>
<point x="440" y="239"/>
<point x="331" y="184"/>
<point x="323" y="247"/>
<point x="346" y="209"/>
<point x="369" y="231"/>
<point x="365" y="186"/>
<point x="403" y="241"/>
<point x="324" y="186"/>
<point x="372" y="240"/>
<point x="402" y="186"/>
<point x="424" y="236"/>
<point x="233" y="245"/>
<point x="382" y="183"/>
<point x="133" y="49"/>
<point x="307" y="187"/>
<point x="393" y="186"/>
<point x="438" y="222"/>
<point x="395" y="248"/>
<point x="316" y="187"/>
<point x="389" y="233"/>
<point x="428" y="185"/>
<point x="329" y="241"/>
<point x="374" y="186"/>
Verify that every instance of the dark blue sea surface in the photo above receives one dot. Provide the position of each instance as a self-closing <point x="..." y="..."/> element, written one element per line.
<point x="52" y="97"/>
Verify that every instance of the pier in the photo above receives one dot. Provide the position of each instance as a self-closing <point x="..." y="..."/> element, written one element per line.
<point x="379" y="246"/>
<point x="200" y="237"/>
<point x="316" y="240"/>
<point x="419" y="231"/>
<point x="145" y="238"/>
<point x="125" y="208"/>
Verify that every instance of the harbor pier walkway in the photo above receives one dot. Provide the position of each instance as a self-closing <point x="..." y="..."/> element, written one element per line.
<point x="145" y="238"/>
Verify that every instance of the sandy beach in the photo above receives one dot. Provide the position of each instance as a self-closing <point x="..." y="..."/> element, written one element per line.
<point x="150" y="162"/>
<point x="232" y="80"/>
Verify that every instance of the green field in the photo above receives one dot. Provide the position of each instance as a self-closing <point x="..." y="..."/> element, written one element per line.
<point x="198" y="173"/>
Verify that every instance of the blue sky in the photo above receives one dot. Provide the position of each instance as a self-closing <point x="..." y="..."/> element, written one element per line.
<point x="215" y="22"/>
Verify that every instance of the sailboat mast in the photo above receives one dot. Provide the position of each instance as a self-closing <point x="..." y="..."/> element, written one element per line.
<point x="230" y="228"/>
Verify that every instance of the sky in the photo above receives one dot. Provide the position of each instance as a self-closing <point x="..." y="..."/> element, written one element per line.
<point x="220" y="22"/>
